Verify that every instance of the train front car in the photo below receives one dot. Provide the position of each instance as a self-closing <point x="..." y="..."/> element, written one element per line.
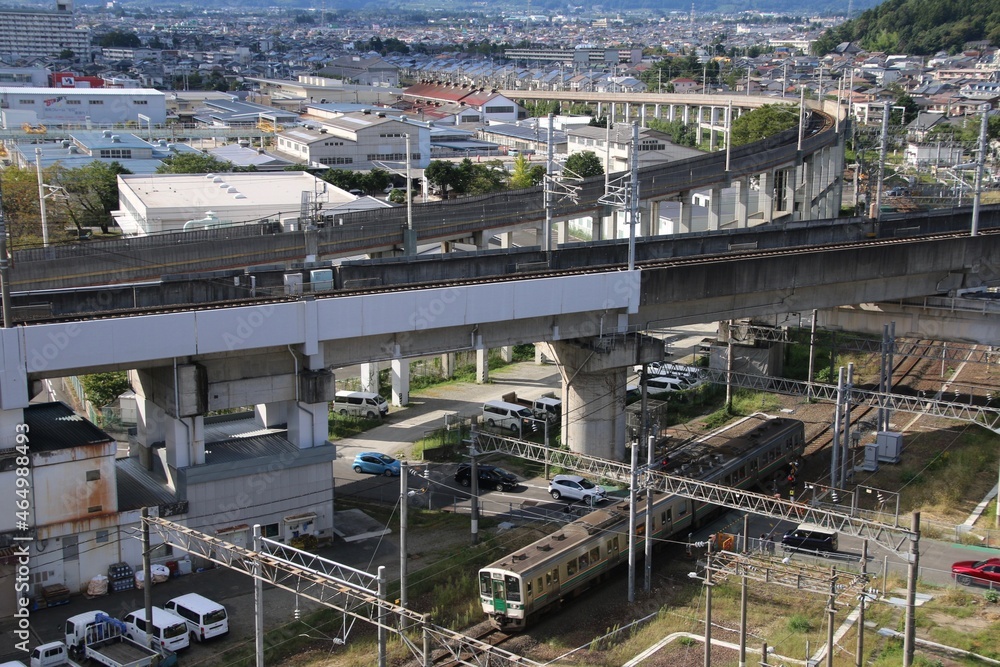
<point x="502" y="595"/>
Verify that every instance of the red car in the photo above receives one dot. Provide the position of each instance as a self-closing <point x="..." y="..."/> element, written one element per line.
<point x="982" y="571"/>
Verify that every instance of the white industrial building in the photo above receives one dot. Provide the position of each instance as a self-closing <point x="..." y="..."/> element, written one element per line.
<point x="363" y="140"/>
<point x="97" y="106"/>
<point x="156" y="203"/>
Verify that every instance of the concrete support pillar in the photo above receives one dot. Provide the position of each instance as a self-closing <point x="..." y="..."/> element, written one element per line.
<point x="713" y="121"/>
<point x="612" y="108"/>
<point x="507" y="353"/>
<point x="714" y="208"/>
<point x="649" y="218"/>
<point x="671" y="112"/>
<point x="562" y="231"/>
<point x="684" y="224"/>
<point x="369" y="376"/>
<point x="593" y="391"/>
<point x="642" y="115"/>
<point x="482" y="366"/>
<point x="10" y="419"/>
<point x="596" y="227"/>
<point x="803" y="190"/>
<point x="628" y="113"/>
<point x="308" y="423"/>
<point x="150" y="427"/>
<point x="765" y="196"/>
<point x="448" y="365"/>
<point x="742" y="202"/>
<point x="686" y="114"/>
<point x="538" y="354"/>
<point x="270" y="415"/>
<point x="482" y="239"/>
<point x="699" y="125"/>
<point x="600" y="109"/>
<point x="185" y="440"/>
<point x="400" y="382"/>
<point x="657" y="110"/>
<point x="791" y="174"/>
<point x="506" y="239"/>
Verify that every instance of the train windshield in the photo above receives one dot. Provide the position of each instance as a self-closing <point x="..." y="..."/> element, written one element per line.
<point x="485" y="588"/>
<point x="513" y="589"/>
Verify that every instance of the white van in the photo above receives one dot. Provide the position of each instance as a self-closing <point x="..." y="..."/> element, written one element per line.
<point x="205" y="619"/>
<point x="360" y="404"/>
<point x="662" y="384"/>
<point x="169" y="630"/>
<point x="516" y="418"/>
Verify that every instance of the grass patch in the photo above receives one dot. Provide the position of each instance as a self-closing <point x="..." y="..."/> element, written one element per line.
<point x="799" y="623"/>
<point x="345" y="426"/>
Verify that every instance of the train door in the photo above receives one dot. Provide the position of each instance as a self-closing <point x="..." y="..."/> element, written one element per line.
<point x="499" y="597"/>
<point x="667" y="519"/>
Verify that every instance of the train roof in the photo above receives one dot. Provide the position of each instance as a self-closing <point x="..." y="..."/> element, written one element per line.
<point x="690" y="459"/>
<point x="577" y="532"/>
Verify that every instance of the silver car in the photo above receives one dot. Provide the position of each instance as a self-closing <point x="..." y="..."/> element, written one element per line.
<point x="574" y="487"/>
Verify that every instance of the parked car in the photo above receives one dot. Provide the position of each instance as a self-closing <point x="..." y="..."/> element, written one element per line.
<point x="490" y="477"/>
<point x="574" y="487"/>
<point x="376" y="463"/>
<point x="979" y="571"/>
<point x="809" y="537"/>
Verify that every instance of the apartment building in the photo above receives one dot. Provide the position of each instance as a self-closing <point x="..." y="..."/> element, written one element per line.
<point x="28" y="33"/>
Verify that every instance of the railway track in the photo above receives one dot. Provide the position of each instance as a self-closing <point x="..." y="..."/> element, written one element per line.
<point x="655" y="264"/>
<point x="484" y="633"/>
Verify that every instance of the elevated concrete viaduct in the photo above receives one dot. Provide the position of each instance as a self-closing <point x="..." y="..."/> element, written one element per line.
<point x="275" y="354"/>
<point x="795" y="181"/>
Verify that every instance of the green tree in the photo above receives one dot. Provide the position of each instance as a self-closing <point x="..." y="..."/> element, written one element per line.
<point x="583" y="165"/>
<point x="483" y="178"/>
<point x="20" y="206"/>
<point x="119" y="38"/>
<point x="67" y="54"/>
<point x="193" y="163"/>
<point x="520" y="176"/>
<point x="763" y="122"/>
<point x="344" y="179"/>
<point x="102" y="388"/>
<point x="375" y="181"/>
<point x="92" y="193"/>
<point x="443" y="175"/>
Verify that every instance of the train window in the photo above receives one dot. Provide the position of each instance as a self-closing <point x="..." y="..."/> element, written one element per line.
<point x="640" y="529"/>
<point x="584" y="562"/>
<point x="571" y="568"/>
<point x="513" y="589"/>
<point x="595" y="554"/>
<point x="729" y="480"/>
<point x="613" y="546"/>
<point x="684" y="508"/>
<point x="548" y="579"/>
<point x="555" y="576"/>
<point x="527" y="587"/>
<point x="484" y="584"/>
<point x="538" y="584"/>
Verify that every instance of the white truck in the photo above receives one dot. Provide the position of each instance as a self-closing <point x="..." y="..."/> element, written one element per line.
<point x="98" y="636"/>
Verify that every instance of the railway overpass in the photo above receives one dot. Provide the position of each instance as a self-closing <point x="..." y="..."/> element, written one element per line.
<point x="275" y="353"/>
<point x="794" y="180"/>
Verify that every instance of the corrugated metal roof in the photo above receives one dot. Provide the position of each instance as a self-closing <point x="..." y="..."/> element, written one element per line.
<point x="137" y="488"/>
<point x="242" y="449"/>
<point x="54" y="426"/>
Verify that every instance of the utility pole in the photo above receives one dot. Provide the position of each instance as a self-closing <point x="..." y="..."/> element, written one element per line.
<point x="404" y="471"/>
<point x="632" y="501"/>
<point x="831" y="610"/>
<point x="4" y="266"/>
<point x="876" y="208"/>
<point x="980" y="163"/>
<point x="410" y="244"/>
<point x="258" y="598"/>
<point x="633" y="196"/>
<point x="743" y="593"/>
<point x="859" y="654"/>
<point x="913" y="568"/>
<point x="147" y="583"/>
<point x="547" y="230"/>
<point x="474" y="479"/>
<point x="708" y="606"/>
<point x="648" y="563"/>
<point x="41" y="201"/>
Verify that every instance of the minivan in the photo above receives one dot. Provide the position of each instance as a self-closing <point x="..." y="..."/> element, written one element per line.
<point x="169" y="630"/>
<point x="205" y="619"/>
<point x="810" y="537"/>
<point x="511" y="416"/>
<point x="365" y="404"/>
<point x="662" y="384"/>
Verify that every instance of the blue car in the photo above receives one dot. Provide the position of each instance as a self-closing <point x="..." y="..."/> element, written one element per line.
<point x="375" y="463"/>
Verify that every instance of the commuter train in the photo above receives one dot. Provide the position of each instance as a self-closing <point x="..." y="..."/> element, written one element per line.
<point x="517" y="588"/>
